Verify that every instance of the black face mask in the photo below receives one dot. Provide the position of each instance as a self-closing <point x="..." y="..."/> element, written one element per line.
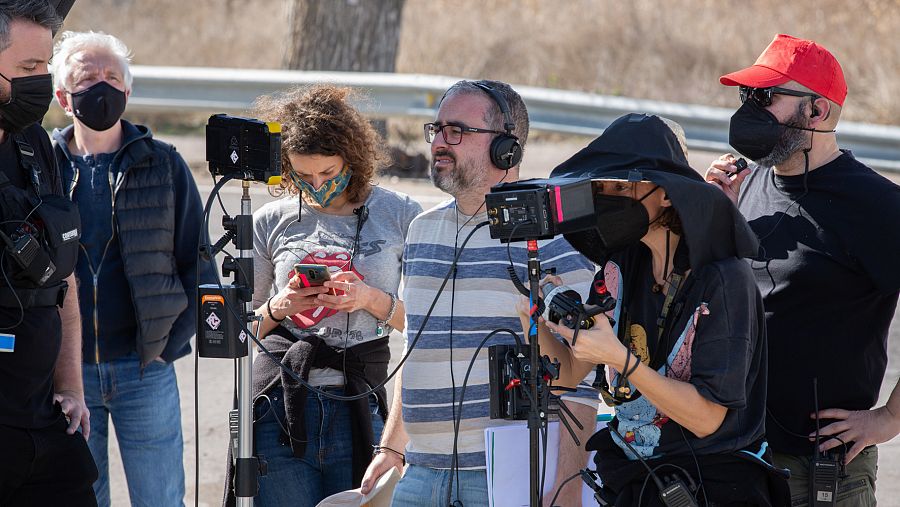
<point x="754" y="131"/>
<point x="99" y="107"/>
<point x="29" y="99"/>
<point x="621" y="221"/>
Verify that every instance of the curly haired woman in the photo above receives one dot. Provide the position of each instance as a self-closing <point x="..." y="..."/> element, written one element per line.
<point x="335" y="336"/>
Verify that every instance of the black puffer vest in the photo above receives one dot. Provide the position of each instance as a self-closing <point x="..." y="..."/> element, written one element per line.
<point x="144" y="221"/>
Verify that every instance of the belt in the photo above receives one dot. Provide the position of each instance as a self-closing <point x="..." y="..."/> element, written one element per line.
<point x="26" y="298"/>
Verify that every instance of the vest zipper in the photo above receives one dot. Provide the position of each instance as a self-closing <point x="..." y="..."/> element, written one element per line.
<point x="95" y="273"/>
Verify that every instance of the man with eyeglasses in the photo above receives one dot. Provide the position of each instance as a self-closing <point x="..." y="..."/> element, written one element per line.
<point x="829" y="243"/>
<point x="476" y="142"/>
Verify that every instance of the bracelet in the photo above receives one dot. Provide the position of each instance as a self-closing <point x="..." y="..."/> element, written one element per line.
<point x="380" y="449"/>
<point x="272" y="315"/>
<point x="380" y="324"/>
<point x="623" y="375"/>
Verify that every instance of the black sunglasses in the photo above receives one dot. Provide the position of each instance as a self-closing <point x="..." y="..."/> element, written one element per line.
<point x="763" y="96"/>
<point x="452" y="133"/>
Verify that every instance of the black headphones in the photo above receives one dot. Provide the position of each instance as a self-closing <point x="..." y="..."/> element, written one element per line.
<point x="505" y="150"/>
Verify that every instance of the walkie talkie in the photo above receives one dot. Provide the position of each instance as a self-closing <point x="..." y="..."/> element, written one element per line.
<point x="823" y="468"/>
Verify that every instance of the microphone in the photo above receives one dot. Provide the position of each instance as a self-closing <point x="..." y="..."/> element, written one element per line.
<point x="363" y="213"/>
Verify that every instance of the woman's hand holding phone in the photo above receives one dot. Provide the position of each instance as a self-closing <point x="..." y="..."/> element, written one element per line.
<point x="349" y="293"/>
<point x="293" y="298"/>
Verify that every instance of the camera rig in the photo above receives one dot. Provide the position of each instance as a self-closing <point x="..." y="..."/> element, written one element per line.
<point x="244" y="148"/>
<point x="248" y="150"/>
<point x="539" y="208"/>
<point x="519" y="375"/>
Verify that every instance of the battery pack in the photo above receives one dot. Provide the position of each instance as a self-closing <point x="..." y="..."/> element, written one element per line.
<point x="219" y="329"/>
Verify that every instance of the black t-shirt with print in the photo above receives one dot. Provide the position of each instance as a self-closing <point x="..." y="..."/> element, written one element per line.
<point x="717" y="344"/>
<point x="827" y="270"/>
<point x="26" y="373"/>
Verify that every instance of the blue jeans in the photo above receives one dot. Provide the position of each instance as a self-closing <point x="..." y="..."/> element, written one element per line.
<point x="146" y="413"/>
<point x="327" y="465"/>
<point x="426" y="487"/>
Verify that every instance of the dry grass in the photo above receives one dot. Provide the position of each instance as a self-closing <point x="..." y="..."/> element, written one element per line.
<point x="668" y="50"/>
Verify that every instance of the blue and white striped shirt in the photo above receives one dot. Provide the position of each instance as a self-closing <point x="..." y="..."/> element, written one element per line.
<point x="480" y="299"/>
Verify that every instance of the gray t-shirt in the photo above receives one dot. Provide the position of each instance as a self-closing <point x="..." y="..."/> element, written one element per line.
<point x="280" y="241"/>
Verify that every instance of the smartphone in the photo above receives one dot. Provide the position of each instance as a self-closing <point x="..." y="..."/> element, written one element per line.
<point x="312" y="275"/>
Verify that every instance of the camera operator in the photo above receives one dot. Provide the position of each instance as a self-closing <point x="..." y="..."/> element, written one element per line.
<point x="43" y="459"/>
<point x="137" y="267"/>
<point x="687" y="356"/>
<point x="471" y="149"/>
<point x="827" y="264"/>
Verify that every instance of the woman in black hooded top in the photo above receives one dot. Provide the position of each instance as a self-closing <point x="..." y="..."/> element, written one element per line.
<point x="694" y="394"/>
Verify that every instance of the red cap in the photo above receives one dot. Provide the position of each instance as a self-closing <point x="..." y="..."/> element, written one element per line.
<point x="791" y="59"/>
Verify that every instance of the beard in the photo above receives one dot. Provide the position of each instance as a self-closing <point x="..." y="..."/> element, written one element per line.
<point x="792" y="141"/>
<point x="458" y="179"/>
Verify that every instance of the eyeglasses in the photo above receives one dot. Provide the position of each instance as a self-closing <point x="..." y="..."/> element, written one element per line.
<point x="452" y="133"/>
<point x="763" y="96"/>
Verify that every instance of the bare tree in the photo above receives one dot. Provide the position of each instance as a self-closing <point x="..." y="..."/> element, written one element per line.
<point x="348" y="35"/>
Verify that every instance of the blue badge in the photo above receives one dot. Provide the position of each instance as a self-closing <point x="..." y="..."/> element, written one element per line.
<point x="7" y="342"/>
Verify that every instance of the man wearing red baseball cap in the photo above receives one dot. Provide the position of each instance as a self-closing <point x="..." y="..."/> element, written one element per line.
<point x="826" y="268"/>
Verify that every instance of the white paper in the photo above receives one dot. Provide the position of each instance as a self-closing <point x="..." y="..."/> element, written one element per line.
<point x="379" y="496"/>
<point x="508" y="472"/>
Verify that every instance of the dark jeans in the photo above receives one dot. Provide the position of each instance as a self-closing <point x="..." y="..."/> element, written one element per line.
<point x="326" y="467"/>
<point x="45" y="466"/>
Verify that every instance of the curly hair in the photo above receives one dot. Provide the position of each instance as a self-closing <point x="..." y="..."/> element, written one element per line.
<point x="319" y="120"/>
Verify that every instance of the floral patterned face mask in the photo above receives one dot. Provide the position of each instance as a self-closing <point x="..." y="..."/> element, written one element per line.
<point x="329" y="190"/>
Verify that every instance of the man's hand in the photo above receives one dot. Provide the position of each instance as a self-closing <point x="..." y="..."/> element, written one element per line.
<point x="380" y="465"/>
<point x="862" y="427"/>
<point x="75" y="410"/>
<point x="724" y="174"/>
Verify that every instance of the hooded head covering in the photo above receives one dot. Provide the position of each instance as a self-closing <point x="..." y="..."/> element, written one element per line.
<point x="639" y="147"/>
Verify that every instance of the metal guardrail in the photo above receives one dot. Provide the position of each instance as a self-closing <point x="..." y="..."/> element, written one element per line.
<point x="234" y="90"/>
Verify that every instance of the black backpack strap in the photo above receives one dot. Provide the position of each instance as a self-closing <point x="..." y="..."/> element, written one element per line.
<point x="29" y="162"/>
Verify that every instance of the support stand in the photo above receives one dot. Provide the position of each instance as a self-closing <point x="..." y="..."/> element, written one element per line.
<point x="247" y="468"/>
<point x="222" y="334"/>
<point x="537" y="418"/>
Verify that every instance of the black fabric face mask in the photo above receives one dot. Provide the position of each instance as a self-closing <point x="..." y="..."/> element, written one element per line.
<point x="29" y="99"/>
<point x="621" y="221"/>
<point x="99" y="107"/>
<point x="753" y="131"/>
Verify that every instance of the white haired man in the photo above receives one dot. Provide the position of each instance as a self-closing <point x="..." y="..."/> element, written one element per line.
<point x="137" y="267"/>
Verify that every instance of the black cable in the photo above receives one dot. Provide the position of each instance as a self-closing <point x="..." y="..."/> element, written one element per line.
<point x="560" y="488"/>
<point x="231" y="308"/>
<point x="544" y="438"/>
<point x="202" y="241"/>
<point x="640" y="458"/>
<point x="798" y="435"/>
<point x="696" y="464"/>
<point x="454" y="466"/>
<point x="291" y="373"/>
<point x="13" y="290"/>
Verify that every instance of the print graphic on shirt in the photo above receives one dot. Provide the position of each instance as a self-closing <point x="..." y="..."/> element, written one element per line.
<point x="366" y="248"/>
<point x="641" y="423"/>
<point x="336" y="262"/>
